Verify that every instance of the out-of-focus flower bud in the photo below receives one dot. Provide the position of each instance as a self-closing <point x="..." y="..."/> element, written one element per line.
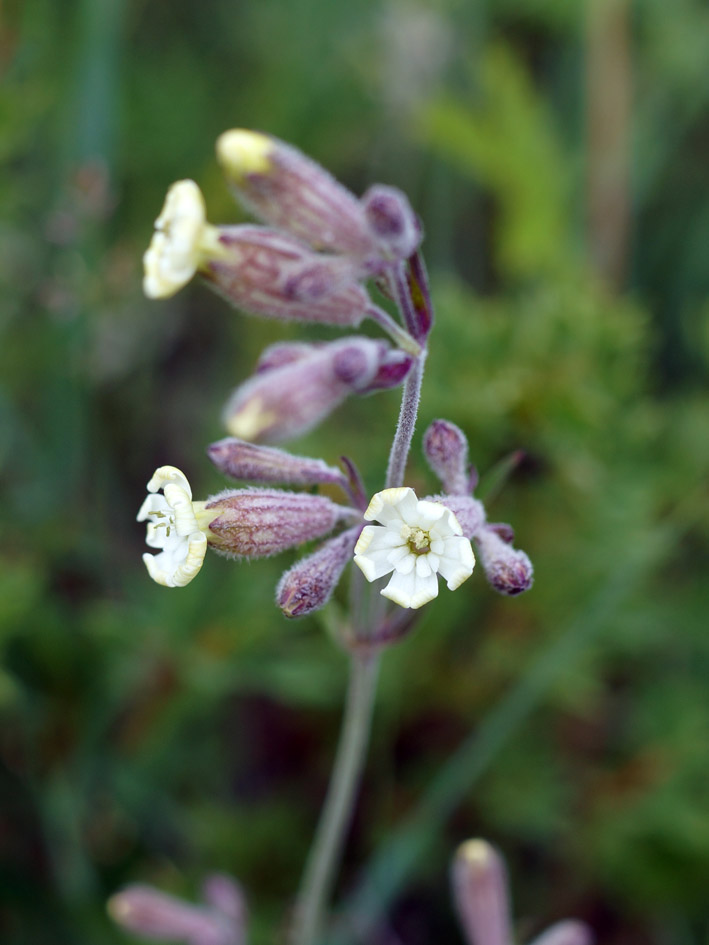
<point x="482" y="901"/>
<point x="566" y="932"/>
<point x="241" y="460"/>
<point x="225" y="896"/>
<point x="256" y="523"/>
<point x="392" y="222"/>
<point x="445" y="446"/>
<point x="280" y="403"/>
<point x="157" y="916"/>
<point x="508" y="570"/>
<point x="283" y="187"/>
<point x="469" y="512"/>
<point x="309" y="584"/>
<point x="480" y="894"/>
<point x="268" y="273"/>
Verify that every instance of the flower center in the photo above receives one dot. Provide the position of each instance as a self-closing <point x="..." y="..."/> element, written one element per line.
<point x="168" y="524"/>
<point x="418" y="540"/>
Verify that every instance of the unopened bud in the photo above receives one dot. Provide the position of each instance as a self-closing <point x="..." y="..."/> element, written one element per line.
<point x="566" y="932"/>
<point x="480" y="894"/>
<point x="508" y="570"/>
<point x="160" y="917"/>
<point x="391" y="220"/>
<point x="446" y="449"/>
<point x="309" y="584"/>
<point x="256" y="523"/>
<point x="241" y="460"/>
<point x="227" y="897"/>
<point x="283" y="187"/>
<point x="394" y="365"/>
<point x="280" y="403"/>
<point x="268" y="273"/>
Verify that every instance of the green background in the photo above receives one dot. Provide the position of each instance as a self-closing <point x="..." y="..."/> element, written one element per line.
<point x="154" y="735"/>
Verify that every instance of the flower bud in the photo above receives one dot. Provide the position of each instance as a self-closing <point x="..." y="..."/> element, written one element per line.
<point x="566" y="932"/>
<point x="309" y="584"/>
<point x="417" y="279"/>
<point x="256" y="523"/>
<point x="268" y="273"/>
<point x="508" y="570"/>
<point x="391" y="221"/>
<point x="446" y="449"/>
<point x="283" y="187"/>
<point x="480" y="894"/>
<point x="241" y="460"/>
<point x="280" y="403"/>
<point x="225" y="896"/>
<point x="394" y="365"/>
<point x="158" y="916"/>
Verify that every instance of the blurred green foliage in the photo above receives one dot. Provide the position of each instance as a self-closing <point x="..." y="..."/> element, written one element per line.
<point x="154" y="735"/>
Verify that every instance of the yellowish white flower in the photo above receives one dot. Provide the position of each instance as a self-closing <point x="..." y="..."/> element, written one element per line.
<point x="182" y="242"/>
<point x="416" y="540"/>
<point x="177" y="526"/>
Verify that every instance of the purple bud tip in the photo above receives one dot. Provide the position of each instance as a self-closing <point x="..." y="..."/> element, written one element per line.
<point x="309" y="584"/>
<point x="508" y="570"/>
<point x="445" y="446"/>
<point x="391" y="220"/>
<point x="505" y="531"/>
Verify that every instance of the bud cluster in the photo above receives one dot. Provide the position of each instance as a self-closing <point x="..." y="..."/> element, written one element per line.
<point x="508" y="570"/>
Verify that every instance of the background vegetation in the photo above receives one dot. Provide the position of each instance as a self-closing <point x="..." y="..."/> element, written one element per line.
<point x="556" y="151"/>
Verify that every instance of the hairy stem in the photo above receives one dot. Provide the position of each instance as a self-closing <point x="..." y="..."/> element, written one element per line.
<point x="320" y="870"/>
<point x="407" y="422"/>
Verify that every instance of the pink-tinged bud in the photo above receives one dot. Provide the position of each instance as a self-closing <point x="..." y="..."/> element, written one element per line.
<point x="283" y="187"/>
<point x="508" y="570"/>
<point x="280" y="403"/>
<point x="505" y="531"/>
<point x="566" y="932"/>
<point x="469" y="512"/>
<point x="391" y="221"/>
<point x="241" y="460"/>
<point x="285" y="352"/>
<point x="256" y="523"/>
<point x="480" y="894"/>
<point x="394" y="365"/>
<point x="227" y="897"/>
<point x="157" y="916"/>
<point x="267" y="273"/>
<point x="309" y="584"/>
<point x="445" y="446"/>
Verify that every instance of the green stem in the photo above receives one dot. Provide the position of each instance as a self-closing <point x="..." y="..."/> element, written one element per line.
<point x="325" y="854"/>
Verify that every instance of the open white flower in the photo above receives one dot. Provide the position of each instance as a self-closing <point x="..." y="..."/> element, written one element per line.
<point x="182" y="241"/>
<point x="417" y="540"/>
<point x="177" y="526"/>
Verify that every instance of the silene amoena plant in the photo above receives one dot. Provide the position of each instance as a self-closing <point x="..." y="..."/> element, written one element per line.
<point x="309" y="259"/>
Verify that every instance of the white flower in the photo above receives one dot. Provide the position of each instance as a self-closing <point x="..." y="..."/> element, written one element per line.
<point x="182" y="241"/>
<point x="416" y="540"/>
<point x="173" y="526"/>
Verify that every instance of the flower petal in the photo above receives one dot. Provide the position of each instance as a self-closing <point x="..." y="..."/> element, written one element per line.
<point x="409" y="590"/>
